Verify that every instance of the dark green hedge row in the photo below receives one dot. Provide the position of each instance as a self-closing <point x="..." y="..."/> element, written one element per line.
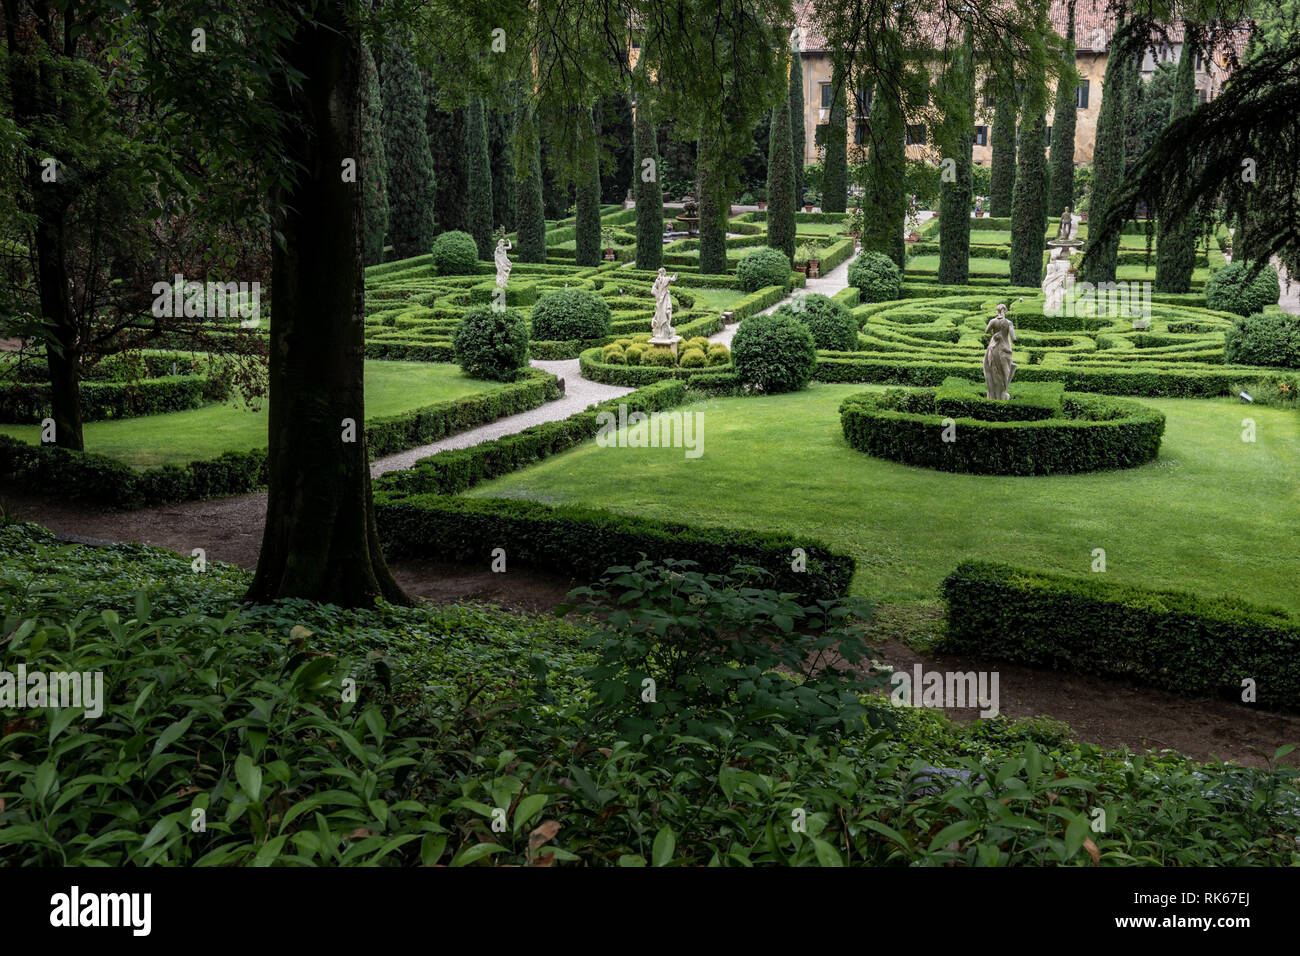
<point x="451" y="472"/>
<point x="1176" y="641"/>
<point x="411" y="350"/>
<point x="26" y="403"/>
<point x="1096" y="433"/>
<point x="636" y="376"/>
<point x="583" y="542"/>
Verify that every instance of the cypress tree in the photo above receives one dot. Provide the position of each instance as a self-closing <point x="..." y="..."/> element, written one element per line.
<point x="1108" y="161"/>
<point x="1002" y="173"/>
<point x="373" y="173"/>
<point x="1029" y="202"/>
<point x="409" y="172"/>
<point x="530" y="217"/>
<point x="835" y="180"/>
<point x="501" y="129"/>
<point x="479" y="175"/>
<point x="957" y="136"/>
<point x="713" y="203"/>
<point x="446" y="130"/>
<point x="780" y="183"/>
<point x="885" y="191"/>
<point x="797" y="136"/>
<point x="588" y="188"/>
<point x="1064" y="117"/>
<point x="645" y="181"/>
<point x="1176" y="251"/>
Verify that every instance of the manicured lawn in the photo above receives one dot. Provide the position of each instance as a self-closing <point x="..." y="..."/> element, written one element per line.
<point x="978" y="266"/>
<point x="180" y="437"/>
<point x="715" y="300"/>
<point x="1213" y="514"/>
<point x="820" y="229"/>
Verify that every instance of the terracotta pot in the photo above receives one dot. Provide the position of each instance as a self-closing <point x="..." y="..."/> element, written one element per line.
<point x="762" y="204"/>
<point x="610" y="255"/>
<point x="808" y="207"/>
<point x="814" y="268"/>
<point x="802" y="270"/>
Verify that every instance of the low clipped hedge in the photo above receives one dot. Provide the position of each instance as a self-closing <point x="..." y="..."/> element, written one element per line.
<point x="583" y="542"/>
<point x="569" y="314"/>
<point x="454" y="253"/>
<point x="1176" y="641"/>
<point x="761" y="268"/>
<point x="597" y="367"/>
<point x="831" y="324"/>
<point x="876" y="277"/>
<point x="24" y="403"/>
<point x="1091" y="432"/>
<point x="1271" y="338"/>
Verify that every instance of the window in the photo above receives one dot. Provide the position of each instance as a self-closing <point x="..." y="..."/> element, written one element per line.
<point x="990" y="101"/>
<point x="981" y="135"/>
<point x="1049" y="137"/>
<point x="863" y="98"/>
<point x="860" y="133"/>
<point x="1199" y="63"/>
<point x="1201" y="97"/>
<point x="826" y="96"/>
<point x="916" y="135"/>
<point x="1081" y="94"/>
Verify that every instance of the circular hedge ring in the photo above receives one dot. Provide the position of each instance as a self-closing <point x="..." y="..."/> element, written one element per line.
<point x="954" y="428"/>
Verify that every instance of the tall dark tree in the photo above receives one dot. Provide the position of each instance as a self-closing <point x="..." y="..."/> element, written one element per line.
<point x="530" y="216"/>
<point x="1102" y="253"/>
<point x="715" y="204"/>
<point x="587" y="252"/>
<point x="1176" y="251"/>
<point x="1029" y="203"/>
<point x="501" y="137"/>
<point x="956" y="137"/>
<point x="1002" y="173"/>
<point x="1064" y="120"/>
<point x="885" y="173"/>
<point x="615" y="118"/>
<point x="645" y="180"/>
<point x="373" y="171"/>
<point x="410" y="173"/>
<point x="835" y="179"/>
<point x="798" y="138"/>
<point x="479" y="175"/>
<point x="780" y="184"/>
<point x="446" y="130"/>
<point x="320" y="541"/>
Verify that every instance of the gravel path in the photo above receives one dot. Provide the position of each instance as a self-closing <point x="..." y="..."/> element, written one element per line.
<point x="578" y="394"/>
<point x="829" y="284"/>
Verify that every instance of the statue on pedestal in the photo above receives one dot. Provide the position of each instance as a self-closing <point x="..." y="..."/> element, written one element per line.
<point x="661" y="326"/>
<point x="999" y="370"/>
<point x="503" y="262"/>
<point x="1066" y="230"/>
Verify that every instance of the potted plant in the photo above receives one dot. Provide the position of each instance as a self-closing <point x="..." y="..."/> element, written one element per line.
<point x="761" y="198"/>
<point x="607" y="237"/>
<point x="808" y="253"/>
<point x="810" y="201"/>
<point x="856" y="223"/>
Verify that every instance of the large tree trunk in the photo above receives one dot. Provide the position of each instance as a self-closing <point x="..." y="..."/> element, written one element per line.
<point x="320" y="541"/>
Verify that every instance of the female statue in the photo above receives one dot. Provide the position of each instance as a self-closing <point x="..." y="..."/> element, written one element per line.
<point x="503" y="262"/>
<point x="999" y="370"/>
<point x="661" y="326"/>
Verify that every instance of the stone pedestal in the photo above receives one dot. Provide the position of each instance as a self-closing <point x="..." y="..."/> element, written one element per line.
<point x="667" y="343"/>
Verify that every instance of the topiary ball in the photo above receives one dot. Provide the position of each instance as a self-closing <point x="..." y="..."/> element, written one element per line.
<point x="718" y="355"/>
<point x="876" y="277"/>
<point x="634" y="354"/>
<point x="693" y="358"/>
<point x="454" y="254"/>
<point x="662" y="358"/>
<point x="761" y="268"/>
<point x="1264" y="339"/>
<point x="491" y="344"/>
<point x="570" y="314"/>
<point x="1229" y="289"/>
<point x="774" y="353"/>
<point x="832" y="326"/>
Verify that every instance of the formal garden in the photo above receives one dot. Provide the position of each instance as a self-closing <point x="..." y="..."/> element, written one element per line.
<point x="636" y="464"/>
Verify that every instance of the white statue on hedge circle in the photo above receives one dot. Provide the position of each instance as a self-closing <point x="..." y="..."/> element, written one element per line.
<point x="999" y="370"/>
<point x="503" y="262"/>
<point x="661" y="326"/>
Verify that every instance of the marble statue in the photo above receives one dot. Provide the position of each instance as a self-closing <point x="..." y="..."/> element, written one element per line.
<point x="999" y="370"/>
<point x="503" y="262"/>
<point x="1066" y="231"/>
<point x="1058" y="270"/>
<point x="661" y="326"/>
<point x="796" y="40"/>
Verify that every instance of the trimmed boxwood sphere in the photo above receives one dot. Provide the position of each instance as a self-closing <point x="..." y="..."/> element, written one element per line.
<point x="1272" y="339"/>
<point x="492" y="344"/>
<point x="1228" y="290"/>
<point x="570" y="314"/>
<point x="762" y="268"/>
<point x="831" y="325"/>
<point x="876" y="276"/>
<point x="454" y="254"/>
<point x="774" y="353"/>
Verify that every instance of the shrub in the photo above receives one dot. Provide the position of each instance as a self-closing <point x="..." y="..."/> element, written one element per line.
<point x="571" y="314"/>
<point x="1229" y="289"/>
<point x="454" y="253"/>
<point x="832" y="326"/>
<point x="634" y="354"/>
<point x="761" y="268"/>
<point x="693" y="358"/>
<point x="1177" y="641"/>
<point x="718" y="354"/>
<point x="876" y="277"/>
<point x="659" y="357"/>
<point x="774" y="353"/>
<point x="1266" y="339"/>
<point x="612" y="349"/>
<point x="491" y="343"/>
<point x="616" y="357"/>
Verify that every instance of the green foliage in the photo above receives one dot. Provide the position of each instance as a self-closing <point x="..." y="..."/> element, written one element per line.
<point x="588" y="249"/>
<point x="955" y="133"/>
<point x="763" y="267"/>
<point x="1176" y="247"/>
<point x="530" y="216"/>
<point x="1231" y="289"/>
<point x="835" y="181"/>
<point x="1002" y="172"/>
<point x="798" y="138"/>
<point x="884" y="173"/>
<point x="479" y="177"/>
<point x="832" y="326"/>
<point x="455" y="253"/>
<point x="773" y="353"/>
<point x="780" y="185"/>
<point x="876" y="277"/>
<point x="1271" y="338"/>
<point x="492" y="343"/>
<point x="373" y="166"/>
<point x="711" y="164"/>
<point x="1064" y="120"/>
<point x="410" y="173"/>
<point x="1167" y="639"/>
<point x="502" y="137"/>
<point x="1108" y="159"/>
<point x="1029" y="203"/>
<point x="571" y="314"/>
<point x="693" y="358"/>
<point x="648" y="193"/>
